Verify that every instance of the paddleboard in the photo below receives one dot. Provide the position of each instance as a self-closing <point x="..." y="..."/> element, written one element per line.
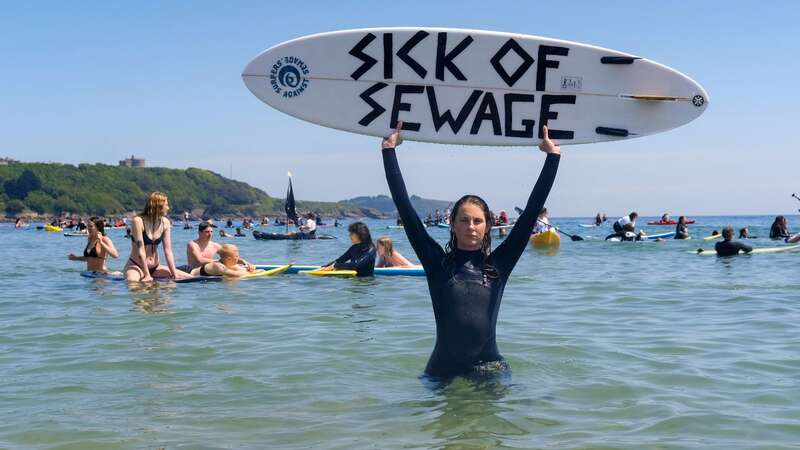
<point x="457" y="86"/>
<point x="331" y="273"/>
<point x="75" y="234"/>
<point x="785" y="248"/>
<point x="711" y="238"/>
<point x="415" y="271"/>
<point x="52" y="228"/>
<point x="585" y="225"/>
<point x="118" y="277"/>
<point x="652" y="237"/>
<point x="265" y="273"/>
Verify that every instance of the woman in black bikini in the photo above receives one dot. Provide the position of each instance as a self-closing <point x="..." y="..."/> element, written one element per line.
<point x="150" y="228"/>
<point x="98" y="247"/>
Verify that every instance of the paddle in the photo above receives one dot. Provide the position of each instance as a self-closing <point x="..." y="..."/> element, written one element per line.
<point x="574" y="237"/>
<point x="795" y="196"/>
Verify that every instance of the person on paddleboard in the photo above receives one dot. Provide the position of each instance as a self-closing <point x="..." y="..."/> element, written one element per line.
<point x="779" y="228"/>
<point x="98" y="247"/>
<point x="542" y="222"/>
<point x="729" y="247"/>
<point x="202" y="250"/>
<point x="388" y="256"/>
<point x="681" y="230"/>
<point x="149" y="229"/>
<point x="227" y="264"/>
<point x="625" y="228"/>
<point x="466" y="279"/>
<point x="360" y="256"/>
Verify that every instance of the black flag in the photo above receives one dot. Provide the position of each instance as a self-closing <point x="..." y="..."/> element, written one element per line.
<point x="291" y="213"/>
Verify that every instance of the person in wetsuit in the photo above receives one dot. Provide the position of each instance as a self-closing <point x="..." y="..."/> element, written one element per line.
<point x="779" y="228"/>
<point x="729" y="247"/>
<point x="681" y="230"/>
<point x="98" y="247"/>
<point x="466" y="279"/>
<point x="360" y="256"/>
<point x="625" y="228"/>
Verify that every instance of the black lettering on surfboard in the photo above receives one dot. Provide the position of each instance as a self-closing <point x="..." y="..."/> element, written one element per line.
<point x="447" y="117"/>
<point x="358" y="52"/>
<point x="545" y="114"/>
<point x="411" y="62"/>
<point x="487" y="111"/>
<point x="388" y="58"/>
<point x="527" y="60"/>
<point x="509" y="100"/>
<point x="377" y="109"/>
<point x="445" y="59"/>
<point x="543" y="64"/>
<point x="398" y="105"/>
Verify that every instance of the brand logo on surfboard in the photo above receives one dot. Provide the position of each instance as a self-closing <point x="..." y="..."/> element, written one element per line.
<point x="289" y="76"/>
<point x="698" y="100"/>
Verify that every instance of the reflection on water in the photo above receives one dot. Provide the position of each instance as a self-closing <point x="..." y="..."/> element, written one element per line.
<point x="151" y="298"/>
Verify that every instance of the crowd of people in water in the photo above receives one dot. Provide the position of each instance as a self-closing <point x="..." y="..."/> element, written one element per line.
<point x="466" y="278"/>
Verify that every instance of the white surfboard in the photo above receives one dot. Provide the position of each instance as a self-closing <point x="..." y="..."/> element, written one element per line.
<point x="475" y="87"/>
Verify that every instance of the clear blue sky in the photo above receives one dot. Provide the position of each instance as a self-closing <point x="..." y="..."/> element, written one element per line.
<point x="97" y="81"/>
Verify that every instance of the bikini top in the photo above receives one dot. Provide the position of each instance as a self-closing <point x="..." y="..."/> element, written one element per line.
<point x="146" y="239"/>
<point x="91" y="253"/>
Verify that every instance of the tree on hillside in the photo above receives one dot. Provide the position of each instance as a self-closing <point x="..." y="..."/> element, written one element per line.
<point x="26" y="182"/>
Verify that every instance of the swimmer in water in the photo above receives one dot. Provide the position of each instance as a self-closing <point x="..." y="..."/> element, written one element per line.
<point x="466" y="279"/>
<point x="98" y="248"/>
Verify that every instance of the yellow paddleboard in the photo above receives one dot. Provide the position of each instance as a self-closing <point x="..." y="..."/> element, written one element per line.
<point x="52" y="228"/>
<point x="266" y="273"/>
<point x="546" y="239"/>
<point x="330" y="273"/>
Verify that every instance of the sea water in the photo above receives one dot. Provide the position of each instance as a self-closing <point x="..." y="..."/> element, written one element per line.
<point x="612" y="345"/>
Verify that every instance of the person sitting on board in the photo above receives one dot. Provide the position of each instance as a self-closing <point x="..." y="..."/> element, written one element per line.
<point x="681" y="230"/>
<point x="779" y="228"/>
<point x="227" y="265"/>
<point x="202" y="250"/>
<point x="150" y="228"/>
<point x="466" y="279"/>
<point x="542" y="222"/>
<point x="729" y="247"/>
<point x="309" y="228"/>
<point x="360" y="256"/>
<point x="388" y="256"/>
<point x="98" y="248"/>
<point x="239" y="232"/>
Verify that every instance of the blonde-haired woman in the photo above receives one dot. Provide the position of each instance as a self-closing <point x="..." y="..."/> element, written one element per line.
<point x="148" y="229"/>
<point x="388" y="256"/>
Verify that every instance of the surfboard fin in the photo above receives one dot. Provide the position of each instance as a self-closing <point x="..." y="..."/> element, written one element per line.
<point x="618" y="59"/>
<point x="621" y="132"/>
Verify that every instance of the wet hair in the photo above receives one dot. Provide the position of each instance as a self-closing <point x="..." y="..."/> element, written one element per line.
<point x="99" y="223"/>
<point x="154" y="208"/>
<point x="682" y="220"/>
<point x="227" y="250"/>
<point x="386" y="242"/>
<point x="727" y="233"/>
<point x="361" y="230"/>
<point x="633" y="215"/>
<point x="486" y="244"/>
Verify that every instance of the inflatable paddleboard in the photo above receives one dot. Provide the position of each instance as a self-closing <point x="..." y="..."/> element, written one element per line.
<point x="265" y="273"/>
<point x="712" y="252"/>
<point x="586" y="225"/>
<point x="474" y="87"/>
<point x="711" y="238"/>
<point x="117" y="277"/>
<point x="52" y="228"/>
<point x="652" y="237"/>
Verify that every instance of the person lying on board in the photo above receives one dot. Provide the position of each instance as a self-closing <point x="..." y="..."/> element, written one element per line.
<point x="729" y="247"/>
<point x="388" y="256"/>
<point x="227" y="264"/>
<point x="681" y="230"/>
<point x="98" y="248"/>
<point x="360" y="256"/>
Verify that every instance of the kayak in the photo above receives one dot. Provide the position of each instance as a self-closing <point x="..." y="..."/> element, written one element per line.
<point x="671" y="222"/>
<point x="53" y="228"/>
<point x="416" y="271"/>
<point x="785" y="248"/>
<point x="288" y="237"/>
<point x="546" y="239"/>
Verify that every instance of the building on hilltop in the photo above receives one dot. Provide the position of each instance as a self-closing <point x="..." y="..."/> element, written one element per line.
<point x="132" y="162"/>
<point x="7" y="161"/>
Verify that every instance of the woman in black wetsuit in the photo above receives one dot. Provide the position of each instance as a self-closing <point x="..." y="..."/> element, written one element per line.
<point x="466" y="279"/>
<point x="681" y="230"/>
<point x="360" y="256"/>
